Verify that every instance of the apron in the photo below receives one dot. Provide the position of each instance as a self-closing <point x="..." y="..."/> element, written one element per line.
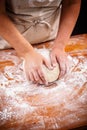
<point x="37" y="20"/>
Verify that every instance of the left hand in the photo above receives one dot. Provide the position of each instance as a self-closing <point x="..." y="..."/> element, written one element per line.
<point x="59" y="56"/>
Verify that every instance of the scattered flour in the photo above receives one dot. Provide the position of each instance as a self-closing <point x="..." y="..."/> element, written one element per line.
<point x="21" y="100"/>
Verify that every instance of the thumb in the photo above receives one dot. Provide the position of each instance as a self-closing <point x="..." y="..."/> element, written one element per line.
<point x="47" y="64"/>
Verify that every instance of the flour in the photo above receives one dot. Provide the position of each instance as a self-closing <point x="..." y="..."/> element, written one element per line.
<point x="21" y="100"/>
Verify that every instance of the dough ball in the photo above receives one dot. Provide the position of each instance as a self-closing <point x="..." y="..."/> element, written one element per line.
<point x="50" y="75"/>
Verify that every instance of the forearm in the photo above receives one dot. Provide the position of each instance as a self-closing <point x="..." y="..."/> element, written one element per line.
<point x="9" y="32"/>
<point x="70" y="12"/>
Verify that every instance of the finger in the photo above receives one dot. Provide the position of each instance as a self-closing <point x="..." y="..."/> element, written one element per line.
<point x="31" y="77"/>
<point x="27" y="75"/>
<point x="31" y="80"/>
<point x="42" y="77"/>
<point x="69" y="62"/>
<point x="47" y="63"/>
<point x="37" y="78"/>
<point x="53" y="60"/>
<point x="63" y="69"/>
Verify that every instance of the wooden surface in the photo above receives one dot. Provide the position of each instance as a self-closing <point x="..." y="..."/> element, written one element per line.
<point x="61" y="106"/>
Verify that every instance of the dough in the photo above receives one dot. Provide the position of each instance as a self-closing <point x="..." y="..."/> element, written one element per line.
<point x="50" y="75"/>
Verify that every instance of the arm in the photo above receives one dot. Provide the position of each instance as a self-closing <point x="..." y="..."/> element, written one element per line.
<point x="33" y="60"/>
<point x="70" y="12"/>
<point x="9" y="32"/>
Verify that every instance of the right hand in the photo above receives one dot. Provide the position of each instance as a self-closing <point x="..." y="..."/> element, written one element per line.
<point x="33" y="67"/>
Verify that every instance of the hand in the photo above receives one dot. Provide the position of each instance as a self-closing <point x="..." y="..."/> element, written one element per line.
<point x="33" y="63"/>
<point x="58" y="55"/>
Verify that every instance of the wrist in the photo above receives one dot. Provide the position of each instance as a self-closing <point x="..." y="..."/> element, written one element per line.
<point x="61" y="41"/>
<point x="24" y="50"/>
<point x="60" y="44"/>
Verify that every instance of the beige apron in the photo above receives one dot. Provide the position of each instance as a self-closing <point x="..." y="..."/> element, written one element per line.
<point x="37" y="20"/>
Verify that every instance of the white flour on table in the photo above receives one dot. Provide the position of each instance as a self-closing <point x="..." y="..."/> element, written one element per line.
<point x="17" y="94"/>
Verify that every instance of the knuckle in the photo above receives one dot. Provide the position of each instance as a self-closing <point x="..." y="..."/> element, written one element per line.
<point x="35" y="67"/>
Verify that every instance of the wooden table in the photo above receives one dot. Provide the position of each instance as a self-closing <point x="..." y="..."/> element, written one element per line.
<point x="61" y="106"/>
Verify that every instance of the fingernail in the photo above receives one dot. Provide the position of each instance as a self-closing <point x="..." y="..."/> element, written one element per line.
<point x="46" y="83"/>
<point x="40" y="83"/>
<point x="54" y="65"/>
<point x="51" y="67"/>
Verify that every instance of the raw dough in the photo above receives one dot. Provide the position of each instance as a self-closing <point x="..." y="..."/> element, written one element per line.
<point x="50" y="75"/>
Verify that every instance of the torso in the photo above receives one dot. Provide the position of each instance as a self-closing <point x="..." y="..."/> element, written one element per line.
<point x="21" y="7"/>
<point x="24" y="13"/>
